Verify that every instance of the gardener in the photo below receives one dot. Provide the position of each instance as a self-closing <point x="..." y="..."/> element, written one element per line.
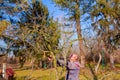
<point x="0" y="74"/>
<point x="9" y="73"/>
<point x="73" y="68"/>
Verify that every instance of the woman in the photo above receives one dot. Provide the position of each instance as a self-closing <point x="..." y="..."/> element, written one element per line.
<point x="73" y="68"/>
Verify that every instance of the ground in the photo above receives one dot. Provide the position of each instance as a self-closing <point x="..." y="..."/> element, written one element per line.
<point x="85" y="74"/>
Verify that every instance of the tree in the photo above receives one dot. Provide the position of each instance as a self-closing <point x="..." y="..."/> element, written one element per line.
<point x="34" y="32"/>
<point x="38" y="33"/>
<point x="106" y="22"/>
<point x="73" y="8"/>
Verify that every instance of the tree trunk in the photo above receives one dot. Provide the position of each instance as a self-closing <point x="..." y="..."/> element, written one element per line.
<point x="32" y="69"/>
<point x="100" y="58"/>
<point x="55" y="66"/>
<point x="80" y="41"/>
<point x="112" y="61"/>
<point x="4" y="71"/>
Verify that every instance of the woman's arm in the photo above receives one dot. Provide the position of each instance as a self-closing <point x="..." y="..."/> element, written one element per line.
<point x="73" y="65"/>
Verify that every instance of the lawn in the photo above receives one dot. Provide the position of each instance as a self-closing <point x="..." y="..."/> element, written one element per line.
<point x="41" y="74"/>
<point x="49" y="74"/>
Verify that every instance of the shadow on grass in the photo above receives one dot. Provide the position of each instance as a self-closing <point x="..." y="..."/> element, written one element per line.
<point x="63" y="78"/>
<point x="92" y="71"/>
<point x="32" y="78"/>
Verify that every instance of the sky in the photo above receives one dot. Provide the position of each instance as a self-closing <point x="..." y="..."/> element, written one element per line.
<point x="53" y="9"/>
<point x="2" y="44"/>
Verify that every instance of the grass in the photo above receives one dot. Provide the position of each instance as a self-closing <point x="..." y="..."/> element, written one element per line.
<point x="85" y="74"/>
<point x="117" y="65"/>
<point x="41" y="74"/>
<point x="48" y="74"/>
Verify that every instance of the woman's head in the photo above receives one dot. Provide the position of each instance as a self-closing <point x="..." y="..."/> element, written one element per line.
<point x="74" y="57"/>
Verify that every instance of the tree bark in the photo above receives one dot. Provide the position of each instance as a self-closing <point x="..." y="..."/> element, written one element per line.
<point x="80" y="40"/>
<point x="55" y="66"/>
<point x="112" y="61"/>
<point x="100" y="58"/>
<point x="4" y="71"/>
